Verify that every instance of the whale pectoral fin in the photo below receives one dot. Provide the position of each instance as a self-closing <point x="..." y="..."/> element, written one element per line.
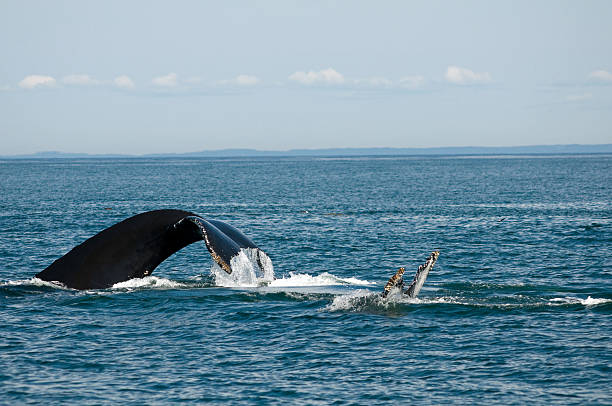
<point x="396" y="281"/>
<point x="421" y="274"/>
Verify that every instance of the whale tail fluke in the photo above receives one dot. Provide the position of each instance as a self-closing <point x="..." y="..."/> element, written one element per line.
<point x="134" y="247"/>
<point x="397" y="280"/>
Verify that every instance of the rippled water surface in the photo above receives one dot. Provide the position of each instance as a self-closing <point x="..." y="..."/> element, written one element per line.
<point x="517" y="309"/>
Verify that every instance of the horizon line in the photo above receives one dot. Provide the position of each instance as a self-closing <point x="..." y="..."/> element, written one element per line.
<point x="335" y="151"/>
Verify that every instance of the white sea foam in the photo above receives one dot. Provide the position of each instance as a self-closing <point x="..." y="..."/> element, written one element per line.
<point x="355" y="281"/>
<point x="34" y="282"/>
<point x="324" y="279"/>
<point x="367" y="300"/>
<point x="364" y="299"/>
<point x="148" y="282"/>
<point x="247" y="273"/>
<point x="354" y="300"/>
<point x="589" y="301"/>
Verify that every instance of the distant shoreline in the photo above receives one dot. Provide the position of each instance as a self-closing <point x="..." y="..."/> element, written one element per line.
<point x="343" y="152"/>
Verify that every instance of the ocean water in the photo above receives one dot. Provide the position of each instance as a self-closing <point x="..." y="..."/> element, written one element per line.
<point x="517" y="309"/>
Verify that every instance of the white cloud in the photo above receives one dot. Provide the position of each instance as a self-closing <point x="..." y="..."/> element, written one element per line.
<point x="463" y="76"/>
<point x="412" y="82"/>
<point x="124" y="82"/>
<point x="170" y="80"/>
<point x="80" y="80"/>
<point x="241" y="80"/>
<point x="326" y="76"/>
<point x="602" y="75"/>
<point x="246" y="80"/>
<point x="32" y="81"/>
<point x="330" y="76"/>
<point x="578" y="97"/>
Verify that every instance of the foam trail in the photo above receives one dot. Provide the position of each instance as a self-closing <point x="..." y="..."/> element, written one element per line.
<point x="148" y="282"/>
<point x="359" y="300"/>
<point x="324" y="279"/>
<point x="589" y="301"/>
<point x="366" y="300"/>
<point x="34" y="282"/>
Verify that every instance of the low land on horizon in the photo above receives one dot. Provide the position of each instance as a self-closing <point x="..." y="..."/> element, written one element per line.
<point x="471" y="150"/>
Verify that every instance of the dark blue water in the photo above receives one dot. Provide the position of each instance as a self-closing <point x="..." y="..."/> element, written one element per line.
<point x="518" y="308"/>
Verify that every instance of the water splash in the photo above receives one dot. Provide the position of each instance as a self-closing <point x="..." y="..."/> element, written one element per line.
<point x="365" y="300"/>
<point x="247" y="273"/>
<point x="246" y="270"/>
<point x="148" y="282"/>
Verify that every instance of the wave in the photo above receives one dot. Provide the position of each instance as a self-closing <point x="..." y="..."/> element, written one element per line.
<point x="324" y="279"/>
<point x="589" y="301"/>
<point x="153" y="282"/>
<point x="35" y="282"/>
<point x="364" y="300"/>
<point x="346" y="294"/>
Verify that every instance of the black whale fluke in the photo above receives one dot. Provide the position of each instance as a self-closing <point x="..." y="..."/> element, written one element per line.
<point x="134" y="247"/>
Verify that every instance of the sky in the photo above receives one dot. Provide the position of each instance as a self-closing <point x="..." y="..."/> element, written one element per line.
<point x="139" y="77"/>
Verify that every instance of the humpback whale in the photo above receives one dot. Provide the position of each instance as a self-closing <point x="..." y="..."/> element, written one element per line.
<point x="134" y="247"/>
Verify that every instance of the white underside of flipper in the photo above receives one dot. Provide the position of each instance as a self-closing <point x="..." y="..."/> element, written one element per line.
<point x="397" y="281"/>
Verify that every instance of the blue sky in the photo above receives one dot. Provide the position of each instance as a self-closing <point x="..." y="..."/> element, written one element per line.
<point x="145" y="77"/>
